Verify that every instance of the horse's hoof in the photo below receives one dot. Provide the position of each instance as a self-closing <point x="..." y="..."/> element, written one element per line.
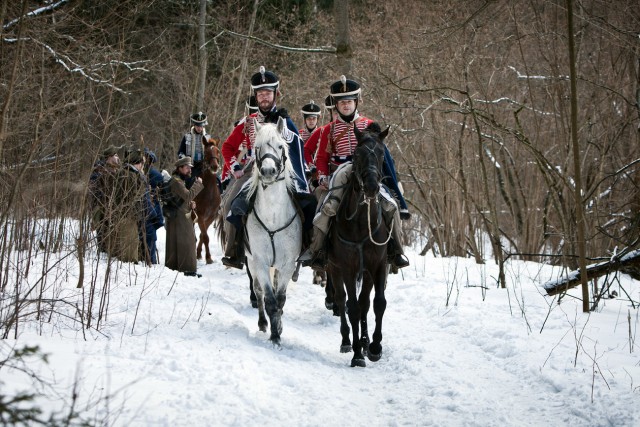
<point x="374" y="352"/>
<point x="329" y="304"/>
<point x="209" y="261"/>
<point x="358" y="363"/>
<point x="254" y="303"/>
<point x="276" y="342"/>
<point x="373" y="357"/>
<point x="345" y="348"/>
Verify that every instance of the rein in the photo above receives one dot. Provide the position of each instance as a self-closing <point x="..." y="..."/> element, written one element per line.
<point x="273" y="232"/>
<point x="280" y="165"/>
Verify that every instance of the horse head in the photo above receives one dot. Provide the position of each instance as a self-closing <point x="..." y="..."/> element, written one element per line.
<point x="368" y="157"/>
<point x="212" y="154"/>
<point x="271" y="152"/>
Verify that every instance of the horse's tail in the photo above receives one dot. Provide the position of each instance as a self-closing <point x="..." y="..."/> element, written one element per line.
<point x="218" y="223"/>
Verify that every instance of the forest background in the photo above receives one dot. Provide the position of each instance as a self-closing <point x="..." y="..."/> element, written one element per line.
<point x="477" y="95"/>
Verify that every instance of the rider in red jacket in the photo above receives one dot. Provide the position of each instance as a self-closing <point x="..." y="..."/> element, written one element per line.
<point x="337" y="144"/>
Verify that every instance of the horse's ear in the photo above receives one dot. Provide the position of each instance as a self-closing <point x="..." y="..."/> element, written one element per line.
<point x="256" y="124"/>
<point x="384" y="133"/>
<point x="357" y="132"/>
<point x="281" y="125"/>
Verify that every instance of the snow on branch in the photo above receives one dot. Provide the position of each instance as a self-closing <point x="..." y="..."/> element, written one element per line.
<point x="72" y="67"/>
<point x="530" y="77"/>
<point x="572" y="279"/>
<point x="325" y="49"/>
<point x="36" y="12"/>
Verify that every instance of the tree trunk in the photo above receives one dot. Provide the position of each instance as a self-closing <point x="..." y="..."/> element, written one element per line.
<point x="202" y="55"/>
<point x="245" y="57"/>
<point x="343" y="39"/>
<point x="582" y="251"/>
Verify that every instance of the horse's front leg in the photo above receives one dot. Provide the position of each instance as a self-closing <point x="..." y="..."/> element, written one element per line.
<point x="338" y="297"/>
<point x="379" y="306"/>
<point x="258" y="289"/>
<point x="199" y="248"/>
<point x="271" y="306"/>
<point x="204" y="238"/>
<point x="353" y="309"/>
<point x="364" y="301"/>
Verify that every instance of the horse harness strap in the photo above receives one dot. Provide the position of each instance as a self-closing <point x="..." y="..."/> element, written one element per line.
<point x="273" y="232"/>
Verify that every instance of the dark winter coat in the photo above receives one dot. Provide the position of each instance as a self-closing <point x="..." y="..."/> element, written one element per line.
<point x="180" y="251"/>
<point x="129" y="214"/>
<point x="101" y="190"/>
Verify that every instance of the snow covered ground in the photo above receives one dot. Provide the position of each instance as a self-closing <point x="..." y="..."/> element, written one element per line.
<point x="457" y="351"/>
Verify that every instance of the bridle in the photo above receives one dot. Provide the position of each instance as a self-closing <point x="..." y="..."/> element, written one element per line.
<point x="280" y="166"/>
<point x="279" y="161"/>
<point x="211" y="162"/>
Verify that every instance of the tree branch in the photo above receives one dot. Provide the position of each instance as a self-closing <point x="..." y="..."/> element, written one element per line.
<point x="325" y="49"/>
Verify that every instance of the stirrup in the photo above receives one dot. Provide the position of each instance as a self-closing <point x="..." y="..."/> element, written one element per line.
<point x="232" y="262"/>
<point x="400" y="261"/>
<point x="305" y="258"/>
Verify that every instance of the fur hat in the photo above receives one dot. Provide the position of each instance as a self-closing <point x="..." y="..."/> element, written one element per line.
<point x="133" y="156"/>
<point x="111" y="150"/>
<point x="264" y="80"/>
<point x="184" y="161"/>
<point x="345" y="89"/>
<point x="310" y="109"/>
<point x="252" y="104"/>
<point x="199" y="119"/>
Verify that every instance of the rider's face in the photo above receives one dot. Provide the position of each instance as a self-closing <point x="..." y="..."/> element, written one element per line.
<point x="265" y="99"/>
<point x="311" y="121"/>
<point x="346" y="106"/>
<point x="185" y="170"/>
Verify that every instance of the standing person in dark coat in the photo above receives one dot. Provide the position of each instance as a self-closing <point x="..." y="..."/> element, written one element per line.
<point x="101" y="184"/>
<point x="180" y="254"/>
<point x="130" y="208"/>
<point x="154" y="219"/>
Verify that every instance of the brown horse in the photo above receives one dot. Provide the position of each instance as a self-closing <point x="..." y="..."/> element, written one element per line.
<point x="208" y="200"/>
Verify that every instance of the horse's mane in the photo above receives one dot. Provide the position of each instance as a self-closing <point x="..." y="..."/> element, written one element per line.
<point x="269" y="132"/>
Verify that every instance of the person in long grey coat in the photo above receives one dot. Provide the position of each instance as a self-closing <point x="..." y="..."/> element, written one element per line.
<point x="180" y="254"/>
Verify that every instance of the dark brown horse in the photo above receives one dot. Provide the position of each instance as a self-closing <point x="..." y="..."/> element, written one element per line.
<point x="208" y="200"/>
<point x="358" y="249"/>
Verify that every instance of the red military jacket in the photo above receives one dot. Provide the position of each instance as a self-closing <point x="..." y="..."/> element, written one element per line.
<point x="311" y="144"/>
<point x="337" y="143"/>
<point x="241" y="139"/>
<point x="305" y="134"/>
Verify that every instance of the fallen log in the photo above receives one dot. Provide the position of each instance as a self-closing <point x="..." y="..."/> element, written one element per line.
<point x="572" y="279"/>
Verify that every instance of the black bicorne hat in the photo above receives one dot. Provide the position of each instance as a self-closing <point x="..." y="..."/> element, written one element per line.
<point x="345" y="89"/>
<point x="264" y="80"/>
<point x="310" y="109"/>
<point x="199" y="119"/>
<point x="251" y="103"/>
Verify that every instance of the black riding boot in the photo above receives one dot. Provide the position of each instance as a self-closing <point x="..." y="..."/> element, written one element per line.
<point x="395" y="255"/>
<point x="235" y="256"/>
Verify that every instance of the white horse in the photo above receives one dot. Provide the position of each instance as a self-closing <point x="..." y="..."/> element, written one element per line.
<point x="274" y="227"/>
